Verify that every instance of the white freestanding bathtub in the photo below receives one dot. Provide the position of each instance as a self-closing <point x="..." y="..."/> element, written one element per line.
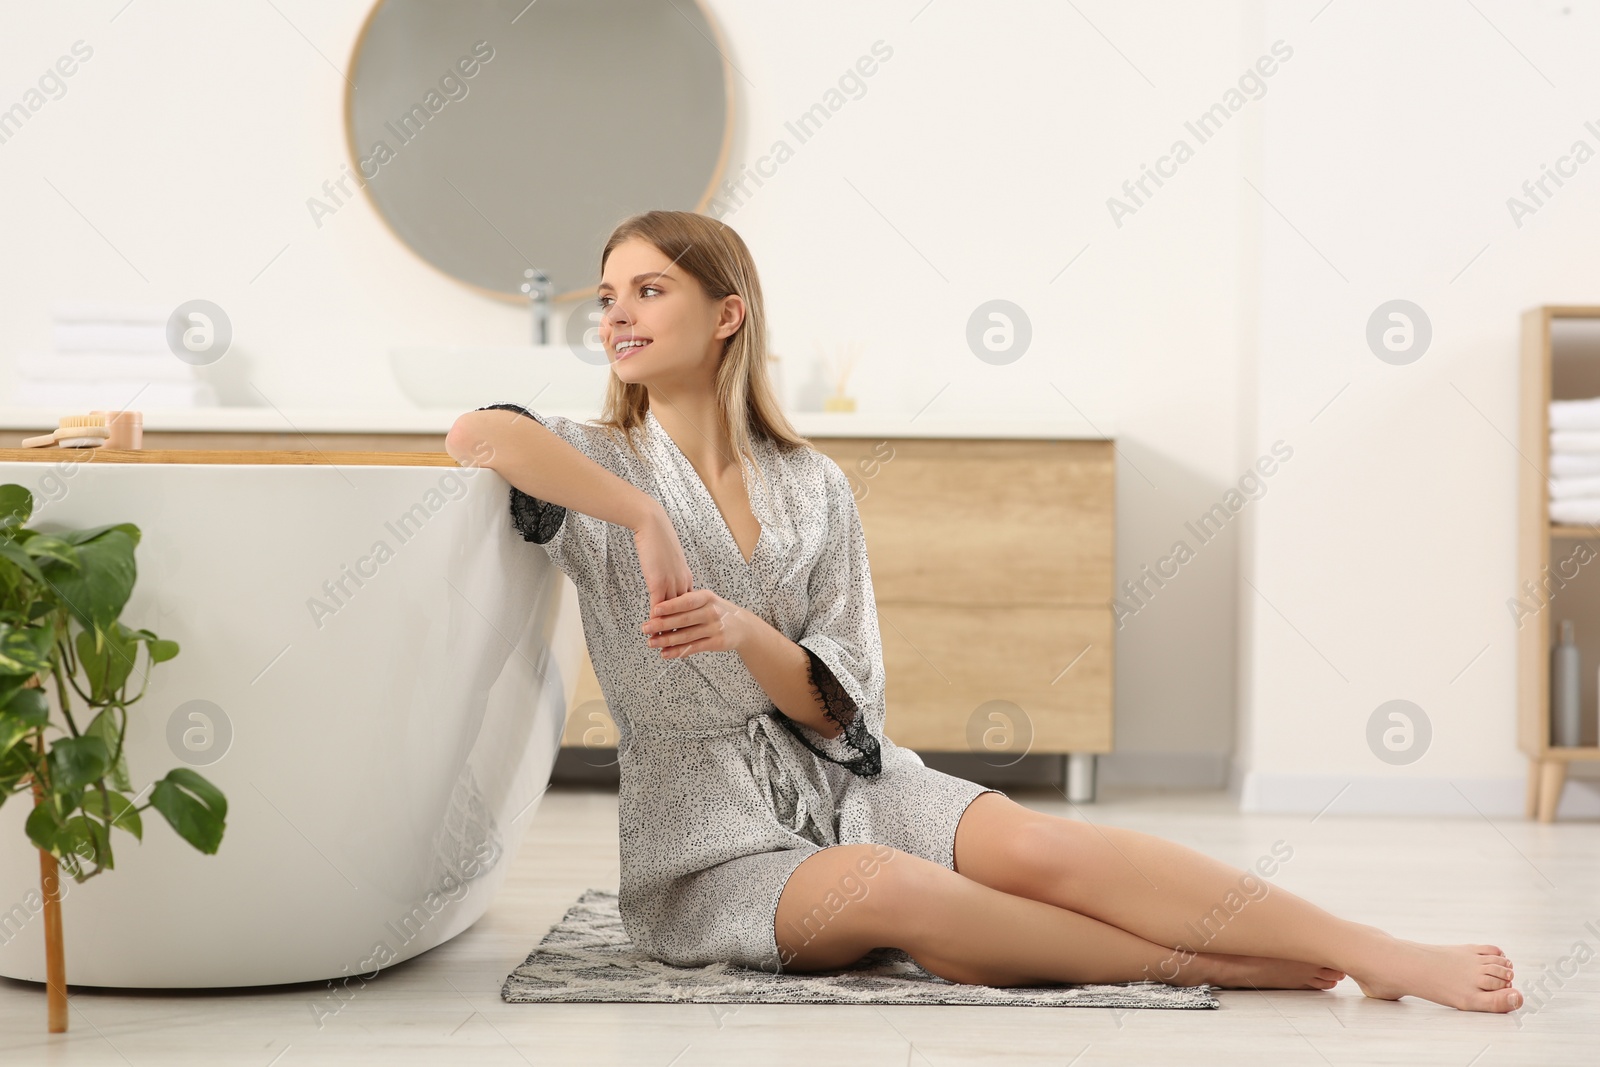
<point x="374" y="668"/>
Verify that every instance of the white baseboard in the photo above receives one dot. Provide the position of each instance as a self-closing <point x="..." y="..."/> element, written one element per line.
<point x="1308" y="794"/>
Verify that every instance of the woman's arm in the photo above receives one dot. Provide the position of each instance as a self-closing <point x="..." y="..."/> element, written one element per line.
<point x="542" y="465"/>
<point x="702" y="621"/>
<point x="783" y="669"/>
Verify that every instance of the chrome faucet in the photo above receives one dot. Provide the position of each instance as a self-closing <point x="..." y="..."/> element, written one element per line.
<point x="538" y="288"/>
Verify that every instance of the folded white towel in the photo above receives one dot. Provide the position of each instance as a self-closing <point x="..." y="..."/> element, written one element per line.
<point x="1575" y="414"/>
<point x="1584" y="441"/>
<point x="109" y="337"/>
<point x="1586" y="510"/>
<point x="92" y="366"/>
<point x="1575" y="488"/>
<point x="72" y="310"/>
<point x="112" y="393"/>
<point x="1574" y="465"/>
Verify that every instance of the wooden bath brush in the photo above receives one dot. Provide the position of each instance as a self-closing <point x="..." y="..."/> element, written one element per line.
<point x="75" y="431"/>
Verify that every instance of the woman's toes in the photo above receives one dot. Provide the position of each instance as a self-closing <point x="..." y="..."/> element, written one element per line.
<point x="1499" y="1000"/>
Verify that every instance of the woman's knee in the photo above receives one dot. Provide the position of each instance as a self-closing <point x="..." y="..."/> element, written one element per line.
<point x="845" y="900"/>
<point x="1018" y="856"/>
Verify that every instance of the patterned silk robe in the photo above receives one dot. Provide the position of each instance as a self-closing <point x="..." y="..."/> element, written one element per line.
<point x="721" y="794"/>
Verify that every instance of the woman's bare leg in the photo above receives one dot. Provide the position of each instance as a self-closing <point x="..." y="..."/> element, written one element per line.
<point x="1172" y="895"/>
<point x="844" y="901"/>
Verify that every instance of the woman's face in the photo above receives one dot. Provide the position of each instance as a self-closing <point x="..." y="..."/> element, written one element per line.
<point x="644" y="297"/>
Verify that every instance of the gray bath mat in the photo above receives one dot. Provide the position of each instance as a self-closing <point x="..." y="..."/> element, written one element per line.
<point x="587" y="957"/>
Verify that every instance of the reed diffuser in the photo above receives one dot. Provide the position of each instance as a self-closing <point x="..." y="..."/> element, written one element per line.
<point x="838" y="371"/>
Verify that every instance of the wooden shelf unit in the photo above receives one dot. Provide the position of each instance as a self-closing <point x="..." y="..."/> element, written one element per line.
<point x="1547" y="763"/>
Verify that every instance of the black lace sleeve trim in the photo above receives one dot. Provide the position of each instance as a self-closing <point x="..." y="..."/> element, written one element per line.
<point x="536" y="520"/>
<point x="842" y="710"/>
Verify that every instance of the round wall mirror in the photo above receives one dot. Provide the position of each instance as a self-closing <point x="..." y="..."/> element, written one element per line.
<point x="499" y="136"/>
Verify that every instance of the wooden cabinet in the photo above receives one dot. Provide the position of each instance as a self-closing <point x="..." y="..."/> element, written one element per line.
<point x="992" y="563"/>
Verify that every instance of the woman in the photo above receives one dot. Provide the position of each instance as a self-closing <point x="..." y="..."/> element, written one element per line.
<point x="766" y="820"/>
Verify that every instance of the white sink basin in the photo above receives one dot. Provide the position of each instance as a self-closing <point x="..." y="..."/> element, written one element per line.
<point x="468" y="376"/>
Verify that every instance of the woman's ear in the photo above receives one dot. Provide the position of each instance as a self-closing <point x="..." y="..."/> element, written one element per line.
<point x="731" y="316"/>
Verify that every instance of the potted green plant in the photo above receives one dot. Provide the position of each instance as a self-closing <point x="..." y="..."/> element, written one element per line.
<point x="61" y="595"/>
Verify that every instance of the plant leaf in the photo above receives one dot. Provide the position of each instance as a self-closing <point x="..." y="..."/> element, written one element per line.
<point x="26" y="650"/>
<point x="11" y="551"/>
<point x="79" y="841"/>
<point x="97" y="593"/>
<point x="90" y="843"/>
<point x="11" y="684"/>
<point x="16" y="506"/>
<point x="49" y="546"/>
<point x="73" y="841"/>
<point x="27" y="702"/>
<point x="108" y="659"/>
<point x="195" y="808"/>
<point x="12" y="730"/>
<point x="104" y="727"/>
<point x="45" y="828"/>
<point x="14" y="766"/>
<point x="25" y="712"/>
<point x="78" y="537"/>
<point x="124" y="816"/>
<point x="77" y="761"/>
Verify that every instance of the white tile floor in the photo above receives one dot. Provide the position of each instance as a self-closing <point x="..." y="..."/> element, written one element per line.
<point x="1528" y="888"/>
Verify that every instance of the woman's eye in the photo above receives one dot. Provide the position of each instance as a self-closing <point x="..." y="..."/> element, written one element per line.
<point x="604" y="301"/>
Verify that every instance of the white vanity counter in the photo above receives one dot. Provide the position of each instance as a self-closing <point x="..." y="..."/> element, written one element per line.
<point x="1068" y="426"/>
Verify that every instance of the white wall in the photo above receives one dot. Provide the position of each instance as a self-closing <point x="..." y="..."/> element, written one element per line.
<point x="991" y="141"/>
<point x="1385" y="554"/>
<point x="1202" y="328"/>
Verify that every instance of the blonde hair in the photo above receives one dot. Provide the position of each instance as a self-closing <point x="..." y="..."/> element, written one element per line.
<point x="717" y="257"/>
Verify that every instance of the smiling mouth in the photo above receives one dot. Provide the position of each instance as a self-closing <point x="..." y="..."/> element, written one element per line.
<point x="630" y="349"/>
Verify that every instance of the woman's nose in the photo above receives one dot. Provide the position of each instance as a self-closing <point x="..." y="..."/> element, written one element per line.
<point x="616" y="315"/>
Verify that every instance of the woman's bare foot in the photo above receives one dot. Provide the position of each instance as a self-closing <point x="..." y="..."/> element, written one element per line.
<point x="1262" y="972"/>
<point x="1468" y="977"/>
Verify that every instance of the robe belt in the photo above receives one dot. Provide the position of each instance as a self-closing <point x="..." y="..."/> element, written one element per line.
<point x="783" y="779"/>
<point x="779" y="774"/>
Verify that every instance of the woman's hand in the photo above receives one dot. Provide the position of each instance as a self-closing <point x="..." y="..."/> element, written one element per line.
<point x="666" y="572"/>
<point x="697" y="621"/>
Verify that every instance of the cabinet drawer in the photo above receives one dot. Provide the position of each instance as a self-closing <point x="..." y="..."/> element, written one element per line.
<point x="945" y="665"/>
<point x="987" y="679"/>
<point x="985" y="521"/>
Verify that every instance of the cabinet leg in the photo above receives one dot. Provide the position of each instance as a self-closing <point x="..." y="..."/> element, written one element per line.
<point x="1535" y="767"/>
<point x="1080" y="777"/>
<point x="1552" y="776"/>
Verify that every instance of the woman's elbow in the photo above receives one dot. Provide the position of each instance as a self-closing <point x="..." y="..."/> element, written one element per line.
<point x="466" y="443"/>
